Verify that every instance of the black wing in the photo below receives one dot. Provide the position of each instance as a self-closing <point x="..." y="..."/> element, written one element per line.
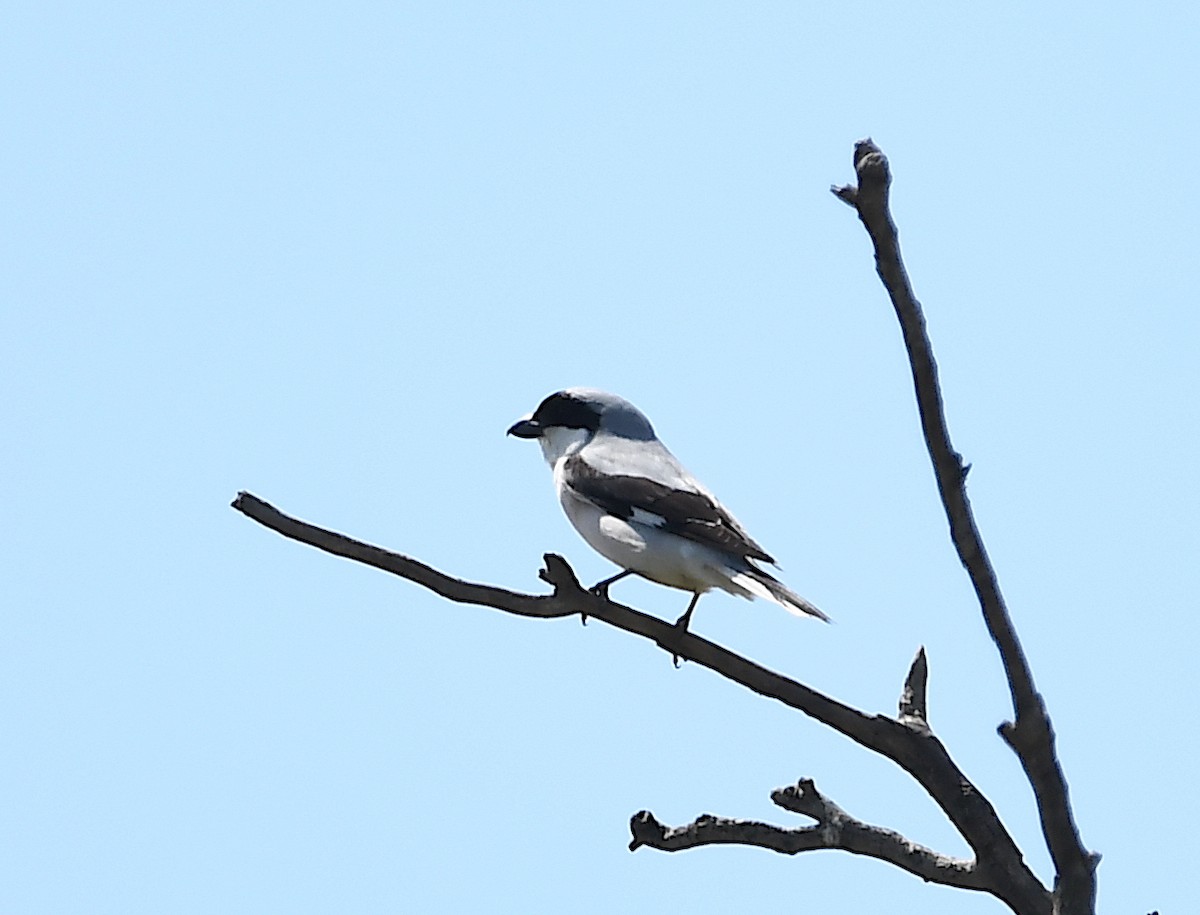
<point x="689" y="514"/>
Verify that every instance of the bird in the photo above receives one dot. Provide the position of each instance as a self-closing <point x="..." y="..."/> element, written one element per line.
<point x="637" y="506"/>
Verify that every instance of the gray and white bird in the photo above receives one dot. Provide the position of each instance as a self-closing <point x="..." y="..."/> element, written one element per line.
<point x="638" y="507"/>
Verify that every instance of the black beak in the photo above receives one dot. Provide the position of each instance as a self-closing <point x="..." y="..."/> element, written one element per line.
<point x="525" y="428"/>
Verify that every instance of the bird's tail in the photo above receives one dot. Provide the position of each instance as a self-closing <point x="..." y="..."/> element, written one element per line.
<point x="763" y="584"/>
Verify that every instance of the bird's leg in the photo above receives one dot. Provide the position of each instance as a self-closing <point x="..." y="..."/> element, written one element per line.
<point x="600" y="589"/>
<point x="682" y="623"/>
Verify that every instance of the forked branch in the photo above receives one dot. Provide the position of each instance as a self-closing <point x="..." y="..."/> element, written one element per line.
<point x="834" y="828"/>
<point x="1030" y="735"/>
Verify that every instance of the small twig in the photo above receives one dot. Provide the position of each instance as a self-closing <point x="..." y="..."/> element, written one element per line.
<point x="913" y="705"/>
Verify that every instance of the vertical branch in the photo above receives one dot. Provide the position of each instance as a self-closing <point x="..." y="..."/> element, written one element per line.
<point x="1030" y="735"/>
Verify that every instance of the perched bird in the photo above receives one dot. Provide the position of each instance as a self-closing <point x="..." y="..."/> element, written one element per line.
<point x="637" y="506"/>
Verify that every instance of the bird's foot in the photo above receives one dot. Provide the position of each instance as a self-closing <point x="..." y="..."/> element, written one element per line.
<point x="600" y="588"/>
<point x="681" y="629"/>
<point x="601" y="591"/>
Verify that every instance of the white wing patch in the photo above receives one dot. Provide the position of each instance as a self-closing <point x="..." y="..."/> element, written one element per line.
<point x="650" y="519"/>
<point x="623" y="533"/>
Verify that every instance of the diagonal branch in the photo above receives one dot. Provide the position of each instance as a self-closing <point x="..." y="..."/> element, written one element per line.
<point x="462" y="592"/>
<point x="911" y="747"/>
<point x="569" y="598"/>
<point x="1031" y="735"/>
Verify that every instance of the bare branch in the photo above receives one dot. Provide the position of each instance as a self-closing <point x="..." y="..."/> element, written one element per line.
<point x="569" y="598"/>
<point x="1031" y="736"/>
<point x="452" y="588"/>
<point x="706" y="829"/>
<point x="835" y="829"/>
<point x="914" y="749"/>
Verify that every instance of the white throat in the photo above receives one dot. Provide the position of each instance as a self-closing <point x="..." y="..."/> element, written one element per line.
<point x="559" y="442"/>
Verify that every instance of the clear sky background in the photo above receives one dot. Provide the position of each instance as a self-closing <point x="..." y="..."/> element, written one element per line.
<point x="327" y="253"/>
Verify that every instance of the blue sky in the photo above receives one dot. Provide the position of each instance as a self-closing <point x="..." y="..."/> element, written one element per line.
<point x="328" y="253"/>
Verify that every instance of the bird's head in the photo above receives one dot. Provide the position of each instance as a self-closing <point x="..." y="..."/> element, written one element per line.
<point x="567" y="420"/>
